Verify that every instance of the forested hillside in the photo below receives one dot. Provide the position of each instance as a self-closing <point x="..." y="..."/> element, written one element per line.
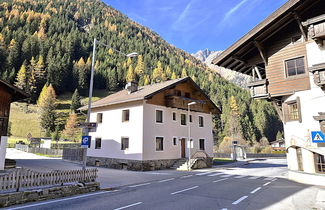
<point x="50" y="42"/>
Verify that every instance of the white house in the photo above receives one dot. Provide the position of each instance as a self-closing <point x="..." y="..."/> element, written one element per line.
<point x="147" y="128"/>
<point x="285" y="54"/>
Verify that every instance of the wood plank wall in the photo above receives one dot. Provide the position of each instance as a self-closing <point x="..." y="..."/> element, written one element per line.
<point x="5" y="100"/>
<point x="278" y="52"/>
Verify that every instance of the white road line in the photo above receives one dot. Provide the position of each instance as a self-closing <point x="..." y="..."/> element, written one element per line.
<point x="219" y="180"/>
<point x="216" y="174"/>
<point x="274" y="179"/>
<point x="166" y="180"/>
<point x="257" y="189"/>
<point x="65" y="199"/>
<point x="254" y="177"/>
<point x="227" y="175"/>
<point x="191" y="188"/>
<point x="268" y="178"/>
<point x="138" y="185"/>
<point x="224" y="209"/>
<point x="186" y="176"/>
<point x="241" y="176"/>
<point x="205" y="173"/>
<point x="240" y="200"/>
<point x="124" y="207"/>
<point x="266" y="183"/>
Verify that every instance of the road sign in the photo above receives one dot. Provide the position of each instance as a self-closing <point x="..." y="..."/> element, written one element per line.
<point x="85" y="141"/>
<point x="317" y="137"/>
<point x="87" y="125"/>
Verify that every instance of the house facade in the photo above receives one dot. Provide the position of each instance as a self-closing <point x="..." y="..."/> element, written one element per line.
<point x="147" y="128"/>
<point x="8" y="94"/>
<point x="285" y="56"/>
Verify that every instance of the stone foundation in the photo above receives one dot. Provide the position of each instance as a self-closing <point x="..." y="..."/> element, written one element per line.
<point x="134" y="165"/>
<point x="14" y="198"/>
<point x="203" y="163"/>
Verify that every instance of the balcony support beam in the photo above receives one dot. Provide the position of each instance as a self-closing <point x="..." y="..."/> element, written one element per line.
<point x="301" y="27"/>
<point x="261" y="50"/>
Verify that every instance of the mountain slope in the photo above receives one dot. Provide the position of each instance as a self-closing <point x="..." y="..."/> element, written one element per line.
<point x="237" y="78"/>
<point x="51" y="42"/>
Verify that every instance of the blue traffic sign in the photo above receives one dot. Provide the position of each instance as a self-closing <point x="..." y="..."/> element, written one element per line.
<point x="317" y="137"/>
<point x="85" y="141"/>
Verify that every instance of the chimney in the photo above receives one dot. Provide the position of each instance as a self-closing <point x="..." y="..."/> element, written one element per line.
<point x="131" y="86"/>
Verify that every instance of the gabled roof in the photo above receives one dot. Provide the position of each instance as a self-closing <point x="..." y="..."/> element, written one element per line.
<point x="145" y="92"/>
<point x="17" y="94"/>
<point x="273" y="23"/>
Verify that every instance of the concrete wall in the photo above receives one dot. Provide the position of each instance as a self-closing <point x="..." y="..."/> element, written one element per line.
<point x="112" y="129"/>
<point x="3" y="147"/>
<point x="170" y="129"/>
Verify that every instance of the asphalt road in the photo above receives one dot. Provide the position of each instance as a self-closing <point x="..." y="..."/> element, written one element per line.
<point x="255" y="186"/>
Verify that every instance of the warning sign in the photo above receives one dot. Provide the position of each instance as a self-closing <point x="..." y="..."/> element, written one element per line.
<point x="317" y="137"/>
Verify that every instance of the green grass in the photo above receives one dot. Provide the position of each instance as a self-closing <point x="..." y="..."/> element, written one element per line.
<point x="221" y="161"/>
<point x="54" y="156"/>
<point x="26" y="119"/>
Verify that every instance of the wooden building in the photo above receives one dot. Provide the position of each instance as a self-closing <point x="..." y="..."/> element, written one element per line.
<point x="285" y="55"/>
<point x="8" y="94"/>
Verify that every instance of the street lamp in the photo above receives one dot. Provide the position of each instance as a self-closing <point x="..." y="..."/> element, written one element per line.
<point x="189" y="134"/>
<point x="131" y="55"/>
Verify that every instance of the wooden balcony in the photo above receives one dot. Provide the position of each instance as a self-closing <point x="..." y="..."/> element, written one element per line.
<point x="259" y="89"/>
<point x="316" y="29"/>
<point x="319" y="74"/>
<point x="181" y="102"/>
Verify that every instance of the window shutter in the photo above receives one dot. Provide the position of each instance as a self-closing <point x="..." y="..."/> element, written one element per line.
<point x="285" y="112"/>
<point x="299" y="108"/>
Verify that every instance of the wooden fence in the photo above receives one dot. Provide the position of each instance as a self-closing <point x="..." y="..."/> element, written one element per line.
<point x="26" y="178"/>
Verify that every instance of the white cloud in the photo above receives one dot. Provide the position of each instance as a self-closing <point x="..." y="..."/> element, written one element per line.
<point x="233" y="10"/>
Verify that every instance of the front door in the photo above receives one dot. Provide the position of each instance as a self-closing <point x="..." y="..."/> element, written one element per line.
<point x="182" y="148"/>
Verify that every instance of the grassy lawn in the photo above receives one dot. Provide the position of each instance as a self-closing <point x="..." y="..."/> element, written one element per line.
<point x="221" y="161"/>
<point x="25" y="118"/>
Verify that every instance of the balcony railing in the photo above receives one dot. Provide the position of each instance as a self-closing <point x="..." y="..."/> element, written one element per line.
<point x="319" y="74"/>
<point x="181" y="103"/>
<point x="259" y="89"/>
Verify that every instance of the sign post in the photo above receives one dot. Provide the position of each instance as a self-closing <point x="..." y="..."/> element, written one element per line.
<point x="317" y="137"/>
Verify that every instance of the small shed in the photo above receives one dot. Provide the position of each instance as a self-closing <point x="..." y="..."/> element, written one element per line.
<point x="8" y="94"/>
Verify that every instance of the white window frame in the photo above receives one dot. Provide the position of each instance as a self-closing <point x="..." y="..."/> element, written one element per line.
<point x="163" y="116"/>
<point x="100" y="142"/>
<point x="124" y="137"/>
<point x="186" y="120"/>
<point x="177" y="139"/>
<point x="199" y="121"/>
<point x="125" y="121"/>
<point x="199" y="149"/>
<point x="175" y="116"/>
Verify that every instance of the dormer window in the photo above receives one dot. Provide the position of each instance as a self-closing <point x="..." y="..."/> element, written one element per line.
<point x="295" y="66"/>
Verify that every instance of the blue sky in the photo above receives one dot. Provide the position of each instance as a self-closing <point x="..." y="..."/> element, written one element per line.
<point x="192" y="25"/>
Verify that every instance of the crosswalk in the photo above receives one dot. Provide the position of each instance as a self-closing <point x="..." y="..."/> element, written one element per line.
<point x="236" y="176"/>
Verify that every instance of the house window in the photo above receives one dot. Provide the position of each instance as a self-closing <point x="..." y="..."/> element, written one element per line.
<point x="187" y="95"/>
<point x="174" y="141"/>
<point x="99" y="117"/>
<point x="295" y="66"/>
<point x="292" y="110"/>
<point x="98" y="143"/>
<point x="190" y="118"/>
<point x="159" y="143"/>
<point x="124" y="143"/>
<point x="174" y="116"/>
<point x="183" y="119"/>
<point x="201" y="144"/>
<point x="178" y="93"/>
<point x="125" y="115"/>
<point x="320" y="163"/>
<point x="201" y="121"/>
<point x="159" y="116"/>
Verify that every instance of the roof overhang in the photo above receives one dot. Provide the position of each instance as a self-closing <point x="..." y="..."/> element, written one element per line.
<point x="17" y="94"/>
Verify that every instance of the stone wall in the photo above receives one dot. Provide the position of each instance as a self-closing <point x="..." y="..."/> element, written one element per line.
<point x="135" y="165"/>
<point x="14" y="198"/>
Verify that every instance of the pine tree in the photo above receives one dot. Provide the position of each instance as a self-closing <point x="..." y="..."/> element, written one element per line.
<point x="158" y="74"/>
<point x="21" y="79"/>
<point x="184" y="73"/>
<point x="139" y="69"/>
<point x="130" y="76"/>
<point x="75" y="101"/>
<point x="70" y="131"/>
<point x="168" y="72"/>
<point x="56" y="134"/>
<point x="40" y="75"/>
<point x="174" y="75"/>
<point x="47" y="107"/>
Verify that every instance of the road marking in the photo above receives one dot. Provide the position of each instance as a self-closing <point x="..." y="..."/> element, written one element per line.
<point x="274" y="179"/>
<point x="186" y="176"/>
<point x="157" y="173"/>
<point x="216" y="174"/>
<point x="166" y="180"/>
<point x="124" y="207"/>
<point x="268" y="178"/>
<point x="138" y="185"/>
<point x="240" y="200"/>
<point x="64" y="199"/>
<point x="191" y="188"/>
<point x="254" y="177"/>
<point x="219" y="180"/>
<point x="227" y="175"/>
<point x="257" y="189"/>
<point x="224" y="209"/>
<point x="205" y="173"/>
<point x="237" y="177"/>
<point x="266" y="183"/>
